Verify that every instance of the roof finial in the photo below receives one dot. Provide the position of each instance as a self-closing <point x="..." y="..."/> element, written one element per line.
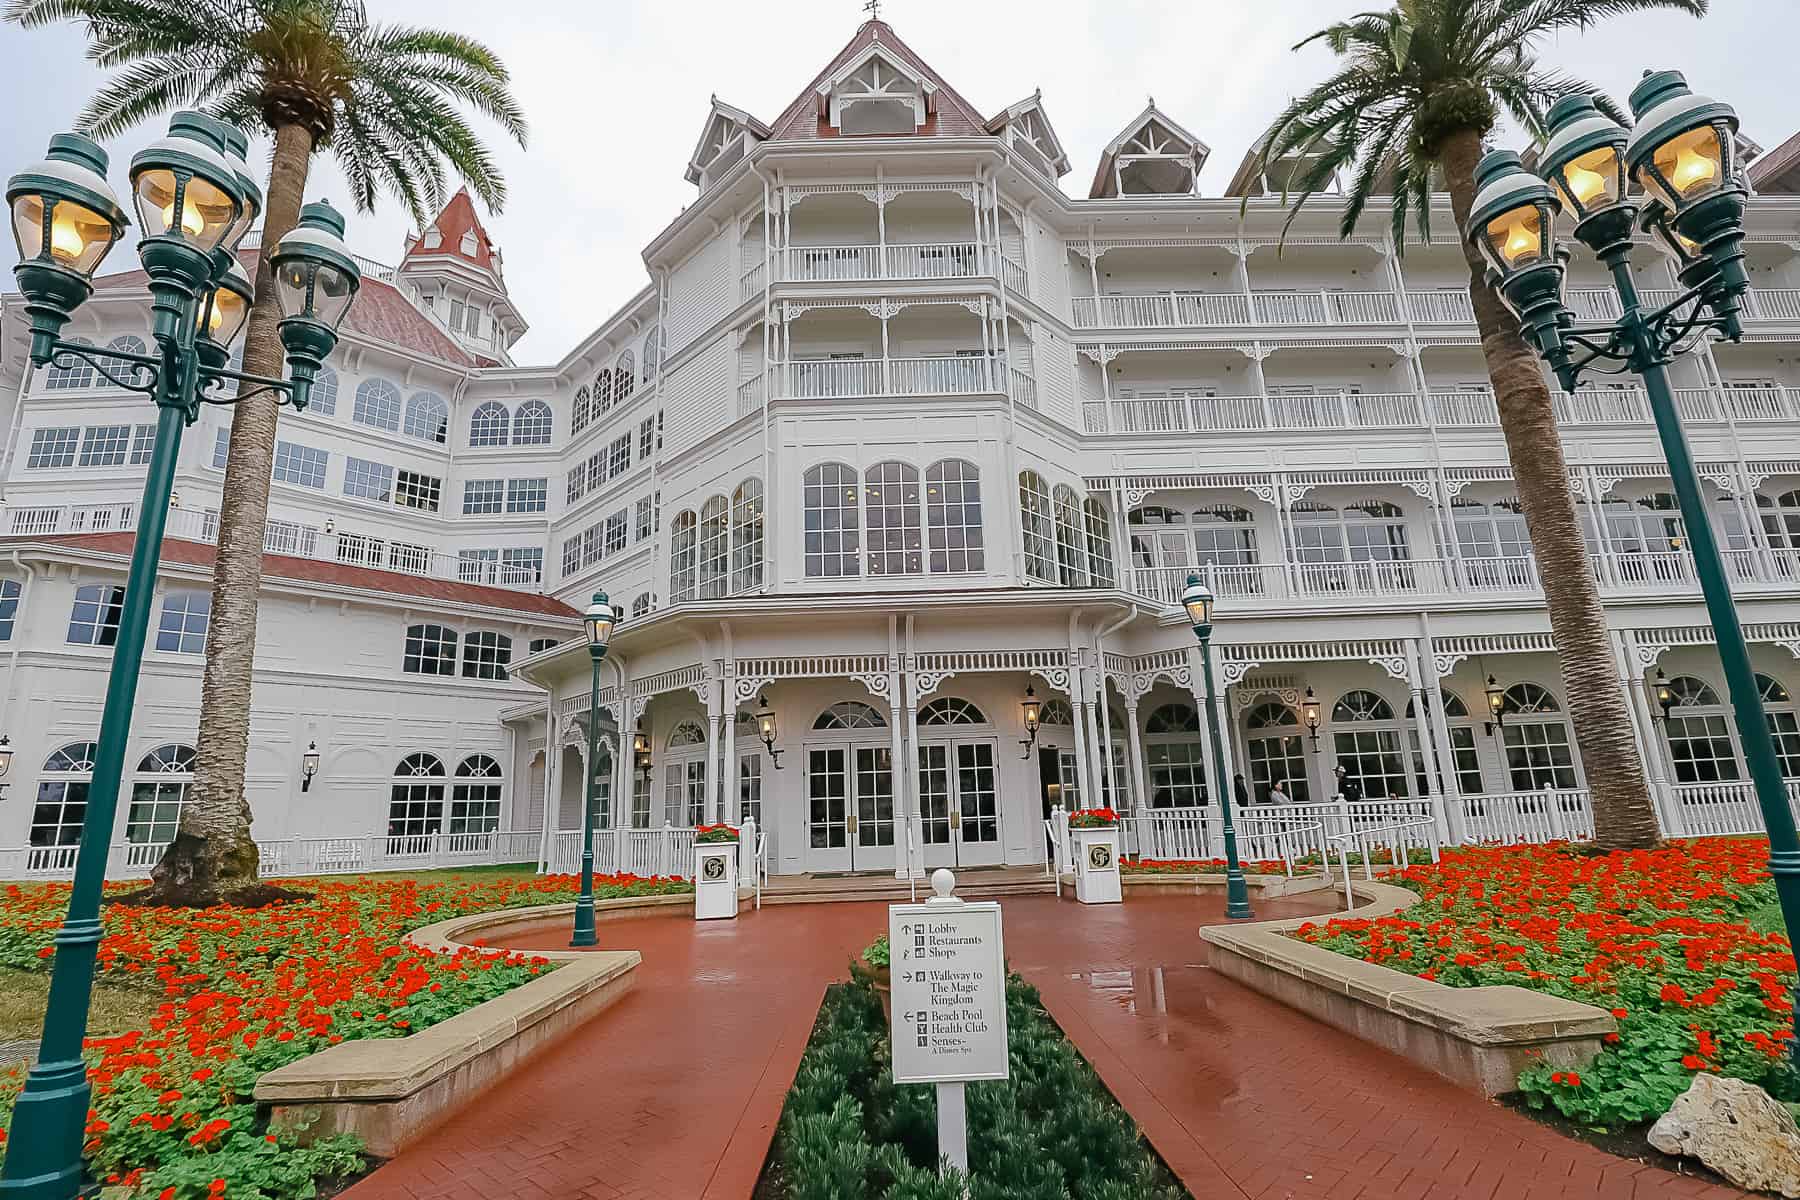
<point x="873" y="8"/>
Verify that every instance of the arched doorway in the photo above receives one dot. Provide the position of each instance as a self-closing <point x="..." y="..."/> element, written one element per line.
<point x="959" y="796"/>
<point x="1276" y="752"/>
<point x="1365" y="740"/>
<point x="849" y="790"/>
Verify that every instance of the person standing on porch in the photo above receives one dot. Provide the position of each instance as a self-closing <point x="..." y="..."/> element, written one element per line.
<point x="1278" y="792"/>
<point x="1347" y="787"/>
<point x="1240" y="791"/>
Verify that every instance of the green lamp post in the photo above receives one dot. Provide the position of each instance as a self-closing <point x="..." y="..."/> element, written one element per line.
<point x="189" y="203"/>
<point x="599" y="620"/>
<point x="1682" y="156"/>
<point x="1197" y="599"/>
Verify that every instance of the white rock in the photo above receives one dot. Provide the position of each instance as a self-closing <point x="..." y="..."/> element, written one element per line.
<point x="1736" y="1129"/>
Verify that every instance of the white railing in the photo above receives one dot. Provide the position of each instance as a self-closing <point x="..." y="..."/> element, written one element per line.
<point x="1714" y="809"/>
<point x="1161" y="310"/>
<point x="806" y="264"/>
<point x="957" y="375"/>
<point x="668" y="851"/>
<point x="752" y="281"/>
<point x="1592" y="304"/>
<point x="911" y="260"/>
<point x="1013" y="276"/>
<point x="1440" y="308"/>
<point x="1193" y="412"/>
<point x="300" y="856"/>
<point x="1774" y="304"/>
<point x="933" y="260"/>
<point x="1024" y="387"/>
<point x="750" y="395"/>
<point x="1325" y="307"/>
<point x="1396" y="839"/>
<point x="1512" y="818"/>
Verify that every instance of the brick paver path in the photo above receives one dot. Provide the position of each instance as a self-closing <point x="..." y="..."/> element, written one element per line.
<point x="674" y="1093"/>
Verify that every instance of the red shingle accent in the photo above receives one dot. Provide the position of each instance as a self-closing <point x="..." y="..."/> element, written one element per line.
<point x="282" y="566"/>
<point x="954" y="116"/>
<point x="457" y="219"/>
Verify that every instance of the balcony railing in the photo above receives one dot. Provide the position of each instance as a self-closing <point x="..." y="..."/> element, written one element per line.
<point x="1013" y="276"/>
<point x="1162" y="310"/>
<point x="302" y="856"/>
<point x="831" y="378"/>
<point x="912" y="260"/>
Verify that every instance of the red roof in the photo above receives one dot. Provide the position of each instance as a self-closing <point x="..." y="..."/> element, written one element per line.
<point x="457" y="219"/>
<point x="951" y="115"/>
<point x="381" y="311"/>
<point x="309" y="570"/>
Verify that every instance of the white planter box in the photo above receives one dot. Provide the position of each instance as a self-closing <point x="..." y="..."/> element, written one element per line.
<point x="1097" y="865"/>
<point x="715" y="880"/>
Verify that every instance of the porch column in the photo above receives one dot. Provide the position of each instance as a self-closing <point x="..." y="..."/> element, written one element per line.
<point x="1103" y="715"/>
<point x="1135" y="763"/>
<point x="1078" y="715"/>
<point x="1090" y="718"/>
<point x="552" y="751"/>
<point x="1420" y="675"/>
<point x="1632" y="673"/>
<point x="1215" y="719"/>
<point x="731" y="794"/>
<point x="710" y="806"/>
<point x="1440" y="734"/>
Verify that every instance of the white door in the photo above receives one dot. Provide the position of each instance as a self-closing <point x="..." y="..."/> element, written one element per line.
<point x="959" y="804"/>
<point x="850" y="808"/>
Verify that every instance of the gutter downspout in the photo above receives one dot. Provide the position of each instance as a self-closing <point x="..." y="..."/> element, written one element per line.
<point x="771" y="550"/>
<point x="1103" y="710"/>
<point x="552" y="790"/>
<point x="12" y="665"/>
<point x="18" y="419"/>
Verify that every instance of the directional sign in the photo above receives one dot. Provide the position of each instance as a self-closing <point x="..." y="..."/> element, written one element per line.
<point x="949" y="992"/>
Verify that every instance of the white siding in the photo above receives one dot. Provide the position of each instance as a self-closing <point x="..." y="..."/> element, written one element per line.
<point x="701" y="290"/>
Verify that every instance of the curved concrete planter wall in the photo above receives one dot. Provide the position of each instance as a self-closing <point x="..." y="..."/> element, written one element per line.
<point x="1479" y="1037"/>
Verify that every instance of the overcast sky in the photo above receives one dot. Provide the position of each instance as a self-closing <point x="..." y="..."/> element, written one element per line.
<point x="616" y="92"/>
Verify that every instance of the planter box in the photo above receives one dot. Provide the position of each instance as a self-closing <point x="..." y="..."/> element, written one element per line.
<point x="715" y="880"/>
<point x="1097" y="865"/>
<point x="1479" y="1037"/>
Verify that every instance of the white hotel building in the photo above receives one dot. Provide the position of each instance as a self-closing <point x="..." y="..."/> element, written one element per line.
<point x="895" y="431"/>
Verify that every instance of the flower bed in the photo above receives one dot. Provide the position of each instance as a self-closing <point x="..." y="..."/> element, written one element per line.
<point x="1093" y="818"/>
<point x="1195" y="866"/>
<point x="1668" y="939"/>
<point x="250" y="990"/>
<point x="1051" y="1130"/>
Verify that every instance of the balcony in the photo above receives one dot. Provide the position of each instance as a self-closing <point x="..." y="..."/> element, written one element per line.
<point x="1176" y="411"/>
<point x="1175" y="310"/>
<point x="844" y="378"/>
<point x="855" y="264"/>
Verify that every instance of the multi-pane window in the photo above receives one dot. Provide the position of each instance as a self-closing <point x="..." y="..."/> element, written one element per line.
<point x="1099" y="542"/>
<point x="1538" y="754"/>
<point x="475" y="796"/>
<point x="618" y="456"/>
<point x="1699" y="732"/>
<point x="571" y="557"/>
<point x="323" y="400"/>
<point x="590" y="545"/>
<point x="746" y="536"/>
<point x="143" y="444"/>
<point x="582" y="412"/>
<point x="892" y="516"/>
<point x="1036" y="526"/>
<point x="62" y="795"/>
<point x="624" y="378"/>
<point x="221" y="448"/>
<point x="368" y="480"/>
<point x="52" y="448"/>
<point x="652" y="352"/>
<point x="641" y="606"/>
<point x="833" y="526"/>
<point x="1276" y="753"/>
<point x="486" y="654"/>
<point x="182" y="627"/>
<point x="642" y="526"/>
<point x="522" y="564"/>
<point x="715" y="542"/>
<point x="158" y="794"/>
<point x="1071" y="548"/>
<point x="300" y="465"/>
<point x="527" y="495"/>
<point x="1176" y="757"/>
<point x="596" y="470"/>
<point x="427" y="417"/>
<point x="683" y="565"/>
<point x="416" y="803"/>
<point x="378" y="404"/>
<point x="532" y="424"/>
<point x="482" y="496"/>
<point x="1465" y="764"/>
<point x="9" y="607"/>
<point x="415" y="490"/>
<point x="1366" y="739"/>
<point x="1778" y="706"/>
<point x="539" y="645"/>
<point x="430" y="650"/>
<point x="577" y="483"/>
<point x="94" y="619"/>
<point x="617" y="527"/>
<point x="953" y="515"/>
<point x="68" y="372"/>
<point x="646" y="437"/>
<point x="489" y="424"/>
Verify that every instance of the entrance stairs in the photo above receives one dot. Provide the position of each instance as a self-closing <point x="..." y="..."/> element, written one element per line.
<point x="972" y="883"/>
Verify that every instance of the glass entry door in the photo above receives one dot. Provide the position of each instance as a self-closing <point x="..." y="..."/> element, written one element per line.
<point x="850" y="808"/>
<point x="959" y="804"/>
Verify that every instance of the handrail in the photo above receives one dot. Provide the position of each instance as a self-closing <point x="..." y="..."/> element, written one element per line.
<point x="1395" y="847"/>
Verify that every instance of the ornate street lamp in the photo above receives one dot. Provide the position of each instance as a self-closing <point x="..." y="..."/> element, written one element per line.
<point x="1496" y="703"/>
<point x="316" y="279"/>
<point x="766" y="728"/>
<point x="598" y="621"/>
<point x="1031" y="714"/>
<point x="221" y="313"/>
<point x="309" y="765"/>
<point x="1197" y="599"/>
<point x="1510" y="224"/>
<point x="188" y="200"/>
<point x="1311" y="716"/>
<point x="1662" y="693"/>
<point x="1683" y="156"/>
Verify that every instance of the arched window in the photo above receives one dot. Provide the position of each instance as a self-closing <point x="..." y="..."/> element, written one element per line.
<point x="1467" y="761"/>
<point x="62" y="795"/>
<point x="682" y="561"/>
<point x="68" y="373"/>
<point x="158" y="792"/>
<point x="1036" y="527"/>
<point x="1176" y="756"/>
<point x="688" y="733"/>
<point x="747" y="537"/>
<point x="1071" y="558"/>
<point x="129" y="343"/>
<point x="652" y="352"/>
<point x="1778" y="706"/>
<point x="1369" y="748"/>
<point x="430" y="650"/>
<point x="1699" y="733"/>
<point x="949" y="710"/>
<point x="850" y="714"/>
<point x="416" y="801"/>
<point x="893" y="519"/>
<point x="489" y="424"/>
<point x="486" y="655"/>
<point x="715" y="542"/>
<point x="1099" y="543"/>
<point x="833" y="528"/>
<point x="1276" y="752"/>
<point x="953" y="515"/>
<point x="583" y="410"/>
<point x="532" y="424"/>
<point x="377" y="404"/>
<point x="1538" y="754"/>
<point x="322" y="401"/>
<point x="475" y="796"/>
<point x="603" y="391"/>
<point x="624" y="378"/>
<point x="1056" y="712"/>
<point x="427" y="417"/>
<point x="641" y="606"/>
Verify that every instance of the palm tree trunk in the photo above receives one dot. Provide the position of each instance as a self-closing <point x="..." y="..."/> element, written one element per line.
<point x="213" y="855"/>
<point x="1623" y="814"/>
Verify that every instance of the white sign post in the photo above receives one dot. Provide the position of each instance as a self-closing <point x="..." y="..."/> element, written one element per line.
<point x="949" y="1019"/>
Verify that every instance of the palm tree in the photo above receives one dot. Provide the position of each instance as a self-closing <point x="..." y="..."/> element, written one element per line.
<point x="316" y="76"/>
<point x="1417" y="89"/>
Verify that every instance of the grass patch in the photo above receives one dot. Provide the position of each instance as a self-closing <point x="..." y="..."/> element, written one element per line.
<point x="1050" y="1132"/>
<point x="117" y="1006"/>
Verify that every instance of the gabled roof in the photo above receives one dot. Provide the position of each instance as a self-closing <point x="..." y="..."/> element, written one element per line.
<point x="1103" y="170"/>
<point x="721" y="111"/>
<point x="381" y="312"/>
<point x="1777" y="171"/>
<point x="310" y="570"/>
<point x="1015" y="114"/>
<point x="457" y="220"/>
<point x="805" y="119"/>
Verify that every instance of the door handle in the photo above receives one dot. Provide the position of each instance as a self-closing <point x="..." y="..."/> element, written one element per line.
<point x="850" y="822"/>
<point x="956" y="818"/>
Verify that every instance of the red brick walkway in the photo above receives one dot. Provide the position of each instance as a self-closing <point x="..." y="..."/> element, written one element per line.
<point x="674" y="1093"/>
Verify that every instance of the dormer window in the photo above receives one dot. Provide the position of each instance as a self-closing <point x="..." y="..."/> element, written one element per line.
<point x="1153" y="157"/>
<point x="433" y="239"/>
<point x="874" y="95"/>
<point x="469" y="244"/>
<point x="1028" y="133"/>
<point x="729" y="135"/>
